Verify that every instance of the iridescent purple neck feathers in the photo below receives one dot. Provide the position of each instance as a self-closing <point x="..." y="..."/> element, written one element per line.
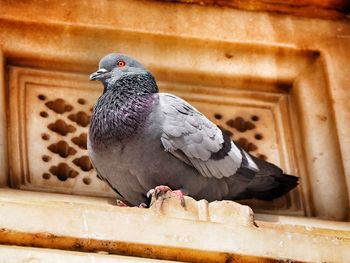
<point x="122" y="109"/>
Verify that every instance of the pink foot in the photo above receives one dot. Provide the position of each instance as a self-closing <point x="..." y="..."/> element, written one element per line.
<point x="161" y="190"/>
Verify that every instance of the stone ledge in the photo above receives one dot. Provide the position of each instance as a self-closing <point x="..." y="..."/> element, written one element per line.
<point x="92" y="225"/>
<point x="16" y="254"/>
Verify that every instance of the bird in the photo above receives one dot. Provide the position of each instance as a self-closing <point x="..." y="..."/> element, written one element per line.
<point x="141" y="140"/>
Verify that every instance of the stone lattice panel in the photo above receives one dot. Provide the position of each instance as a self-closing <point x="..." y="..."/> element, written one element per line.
<point x="53" y="114"/>
<point x="58" y="126"/>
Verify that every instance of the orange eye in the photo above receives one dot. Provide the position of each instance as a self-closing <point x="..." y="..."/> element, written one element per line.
<point x="121" y="63"/>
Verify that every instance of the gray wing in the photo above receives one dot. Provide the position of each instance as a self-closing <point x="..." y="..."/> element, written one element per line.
<point x="192" y="138"/>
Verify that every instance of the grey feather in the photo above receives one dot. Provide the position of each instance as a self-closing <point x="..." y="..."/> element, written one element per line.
<point x="198" y="151"/>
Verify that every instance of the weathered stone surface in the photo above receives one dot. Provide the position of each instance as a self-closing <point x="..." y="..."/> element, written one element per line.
<point x="227" y="212"/>
<point x="308" y="8"/>
<point x="93" y="224"/>
<point x="16" y="254"/>
<point x="230" y="212"/>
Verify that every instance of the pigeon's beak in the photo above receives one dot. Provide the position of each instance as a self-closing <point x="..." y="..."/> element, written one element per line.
<point x="98" y="74"/>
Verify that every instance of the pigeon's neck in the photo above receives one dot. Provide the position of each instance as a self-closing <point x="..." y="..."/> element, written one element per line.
<point x="119" y="115"/>
<point x="130" y="84"/>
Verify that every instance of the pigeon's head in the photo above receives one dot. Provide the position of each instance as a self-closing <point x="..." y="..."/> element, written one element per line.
<point x="114" y="66"/>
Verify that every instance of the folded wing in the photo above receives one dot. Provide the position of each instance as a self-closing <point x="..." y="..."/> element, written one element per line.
<point x="192" y="138"/>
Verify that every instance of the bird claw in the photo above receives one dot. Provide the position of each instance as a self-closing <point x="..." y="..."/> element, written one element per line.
<point x="158" y="191"/>
<point x="161" y="190"/>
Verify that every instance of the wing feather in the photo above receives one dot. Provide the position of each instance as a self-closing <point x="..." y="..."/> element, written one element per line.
<point x="194" y="139"/>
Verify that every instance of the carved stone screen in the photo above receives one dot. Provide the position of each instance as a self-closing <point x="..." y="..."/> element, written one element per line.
<point x="51" y="113"/>
<point x="273" y="100"/>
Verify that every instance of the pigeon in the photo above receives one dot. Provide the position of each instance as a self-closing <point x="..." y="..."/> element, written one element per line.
<point x="140" y="140"/>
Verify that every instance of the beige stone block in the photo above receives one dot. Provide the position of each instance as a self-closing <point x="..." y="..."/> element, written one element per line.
<point x="217" y="212"/>
<point x="15" y="254"/>
<point x="3" y="128"/>
<point x="230" y="212"/>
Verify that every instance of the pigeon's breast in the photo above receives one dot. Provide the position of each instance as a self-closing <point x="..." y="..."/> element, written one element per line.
<point x="113" y="121"/>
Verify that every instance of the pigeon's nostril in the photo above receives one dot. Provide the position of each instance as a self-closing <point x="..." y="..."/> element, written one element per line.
<point x="101" y="71"/>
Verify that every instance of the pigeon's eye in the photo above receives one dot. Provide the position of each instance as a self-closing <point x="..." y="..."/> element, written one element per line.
<point x="121" y="63"/>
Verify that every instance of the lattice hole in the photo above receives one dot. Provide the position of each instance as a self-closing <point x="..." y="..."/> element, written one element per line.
<point x="81" y="141"/>
<point x="218" y="116"/>
<point x="46" y="176"/>
<point x="45" y="136"/>
<point x="258" y="136"/>
<point x="240" y="124"/>
<point x="86" y="180"/>
<point x="84" y="163"/>
<point x="44" y="114"/>
<point x="246" y="145"/>
<point x="46" y="158"/>
<point x="81" y="101"/>
<point x="41" y="97"/>
<point x="63" y="172"/>
<point x="61" y="127"/>
<point x="255" y="118"/>
<point x="59" y="106"/>
<point x="80" y="118"/>
<point x="62" y="149"/>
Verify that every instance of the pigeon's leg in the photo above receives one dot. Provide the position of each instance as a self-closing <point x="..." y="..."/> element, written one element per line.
<point x="160" y="190"/>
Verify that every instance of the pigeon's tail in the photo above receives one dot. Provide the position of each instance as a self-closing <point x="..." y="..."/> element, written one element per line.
<point x="279" y="183"/>
<point x="283" y="184"/>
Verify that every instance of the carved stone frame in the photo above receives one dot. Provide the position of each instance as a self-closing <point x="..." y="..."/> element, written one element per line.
<point x="306" y="58"/>
<point x="302" y="77"/>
